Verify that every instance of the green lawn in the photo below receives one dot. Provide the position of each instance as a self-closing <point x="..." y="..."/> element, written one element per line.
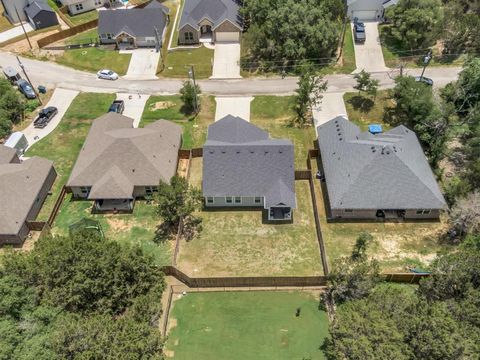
<point x="64" y="143"/>
<point x="4" y="23"/>
<point x="173" y="6"/>
<point x="247" y="325"/>
<point x="94" y="59"/>
<point x="363" y="110"/>
<point x="137" y="228"/>
<point x="83" y="38"/>
<point x="169" y="108"/>
<point x="75" y="19"/>
<point x="238" y="242"/>
<point x="179" y="61"/>
<point x="349" y="63"/>
<point x="175" y="34"/>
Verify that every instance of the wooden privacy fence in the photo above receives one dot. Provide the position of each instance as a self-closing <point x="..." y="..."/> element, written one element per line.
<point x="57" y="205"/>
<point x="67" y="33"/>
<point x="36" y="225"/>
<point x="254" y="281"/>
<point x="190" y="153"/>
<point x="411" y="278"/>
<point x="302" y="174"/>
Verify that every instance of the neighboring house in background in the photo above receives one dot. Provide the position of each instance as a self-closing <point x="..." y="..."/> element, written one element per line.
<point x="37" y="12"/>
<point x="243" y="167"/>
<point x="368" y="10"/>
<point x="210" y="20"/>
<point x="376" y="176"/>
<point x="131" y="28"/>
<point x="40" y="14"/>
<point x="119" y="163"/>
<point x="24" y="185"/>
<point x="81" y="6"/>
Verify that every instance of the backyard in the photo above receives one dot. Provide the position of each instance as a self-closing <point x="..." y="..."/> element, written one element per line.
<point x="4" y="23"/>
<point x="75" y="19"/>
<point x="93" y="58"/>
<point x="247" y="325"/>
<point x="238" y="242"/>
<point x="170" y="108"/>
<point x="63" y="144"/>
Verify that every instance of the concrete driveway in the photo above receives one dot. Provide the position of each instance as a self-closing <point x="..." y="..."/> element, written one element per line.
<point x="134" y="105"/>
<point x="143" y="64"/>
<point x="14" y="32"/>
<point x="369" y="56"/>
<point x="61" y="99"/>
<point x="226" y="61"/>
<point x="332" y="105"/>
<point x="233" y="105"/>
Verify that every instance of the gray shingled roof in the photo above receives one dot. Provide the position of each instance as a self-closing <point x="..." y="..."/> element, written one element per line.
<point x="20" y="184"/>
<point x="135" y="22"/>
<point x="383" y="171"/>
<point x="7" y="154"/>
<point x="239" y="159"/>
<point x="217" y="11"/>
<point x="37" y="6"/>
<point x="116" y="157"/>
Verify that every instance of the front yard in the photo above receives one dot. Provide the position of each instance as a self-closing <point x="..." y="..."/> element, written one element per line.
<point x="170" y="108"/>
<point x="178" y="63"/>
<point x="237" y="242"/>
<point x="64" y="143"/>
<point x="247" y="326"/>
<point x="363" y="110"/>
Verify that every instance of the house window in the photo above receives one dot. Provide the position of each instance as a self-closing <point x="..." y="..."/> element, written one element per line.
<point x="348" y="210"/>
<point x="109" y="36"/>
<point x="423" y="212"/>
<point x="228" y="199"/>
<point x="188" y="36"/>
<point x="258" y="200"/>
<point x="150" y="189"/>
<point x="238" y="200"/>
<point x="84" y="190"/>
<point x="98" y="2"/>
<point x="78" y="7"/>
<point x="209" y="200"/>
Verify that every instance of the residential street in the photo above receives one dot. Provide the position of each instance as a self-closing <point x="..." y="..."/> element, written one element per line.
<point x="54" y="75"/>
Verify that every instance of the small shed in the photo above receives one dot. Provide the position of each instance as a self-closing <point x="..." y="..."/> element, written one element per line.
<point x="40" y="14"/>
<point x="17" y="141"/>
<point x="11" y="74"/>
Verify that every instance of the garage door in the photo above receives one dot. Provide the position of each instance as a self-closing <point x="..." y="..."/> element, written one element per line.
<point x="227" y="36"/>
<point x="365" y="14"/>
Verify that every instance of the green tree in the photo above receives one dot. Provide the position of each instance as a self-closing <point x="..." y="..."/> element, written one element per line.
<point x="284" y="33"/>
<point x="307" y="96"/>
<point x="462" y="21"/>
<point x="361" y="246"/>
<point x="11" y="108"/>
<point x="190" y="97"/>
<point x="416" y="24"/>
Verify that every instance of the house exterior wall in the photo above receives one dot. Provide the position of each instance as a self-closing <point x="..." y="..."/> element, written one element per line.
<point x="146" y="41"/>
<point x="226" y="26"/>
<point x="9" y="6"/>
<point x="366" y="5"/>
<point x="372" y="214"/>
<point x="246" y="201"/>
<point x="205" y="22"/>
<point x="86" y="4"/>
<point x="181" y="35"/>
<point x="44" y="19"/>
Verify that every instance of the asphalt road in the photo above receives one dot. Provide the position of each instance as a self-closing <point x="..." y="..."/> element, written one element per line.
<point x="53" y="75"/>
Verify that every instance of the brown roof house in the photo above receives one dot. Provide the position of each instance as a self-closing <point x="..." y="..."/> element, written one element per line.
<point x="119" y="163"/>
<point x="24" y="185"/>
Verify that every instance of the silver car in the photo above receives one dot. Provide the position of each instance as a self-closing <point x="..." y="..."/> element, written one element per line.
<point x="107" y="75"/>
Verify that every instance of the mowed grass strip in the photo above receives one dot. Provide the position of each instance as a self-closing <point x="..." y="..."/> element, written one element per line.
<point x="178" y="63"/>
<point x="170" y="108"/>
<point x="247" y="326"/>
<point x="64" y="143"/>
<point x="236" y="242"/>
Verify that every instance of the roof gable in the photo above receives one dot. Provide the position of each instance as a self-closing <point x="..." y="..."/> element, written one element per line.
<point x="216" y="11"/>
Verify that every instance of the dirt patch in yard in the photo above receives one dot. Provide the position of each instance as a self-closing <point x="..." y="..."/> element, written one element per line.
<point x="118" y="225"/>
<point x="182" y="168"/>
<point x="161" y="105"/>
<point x="22" y="46"/>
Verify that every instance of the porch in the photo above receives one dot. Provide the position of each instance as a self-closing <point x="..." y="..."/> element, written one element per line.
<point x="280" y="213"/>
<point x="114" y="205"/>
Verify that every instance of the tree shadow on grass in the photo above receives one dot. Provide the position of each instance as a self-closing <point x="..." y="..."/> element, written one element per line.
<point x="361" y="103"/>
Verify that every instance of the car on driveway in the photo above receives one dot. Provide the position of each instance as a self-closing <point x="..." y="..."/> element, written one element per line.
<point x="44" y="117"/>
<point x="107" y="74"/>
<point x="117" y="107"/>
<point x="359" y="31"/>
<point x="26" y="89"/>
<point x="425" y="80"/>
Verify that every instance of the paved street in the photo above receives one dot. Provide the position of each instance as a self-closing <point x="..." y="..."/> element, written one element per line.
<point x="234" y="105"/>
<point x="61" y="99"/>
<point x="54" y="75"/>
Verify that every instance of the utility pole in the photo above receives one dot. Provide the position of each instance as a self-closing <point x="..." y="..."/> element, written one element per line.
<point x="23" y="28"/>
<point x="26" y="75"/>
<point x="191" y="73"/>
<point x="426" y="61"/>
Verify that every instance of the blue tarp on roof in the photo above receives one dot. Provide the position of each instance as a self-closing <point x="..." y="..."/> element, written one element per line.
<point x="375" y="128"/>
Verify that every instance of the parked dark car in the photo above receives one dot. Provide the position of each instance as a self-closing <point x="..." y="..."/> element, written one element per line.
<point x="26" y="89"/>
<point x="359" y="31"/>
<point x="424" y="80"/>
<point x="44" y="116"/>
<point x="117" y="106"/>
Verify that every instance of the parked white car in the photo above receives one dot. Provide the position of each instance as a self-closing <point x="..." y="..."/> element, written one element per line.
<point x="107" y="75"/>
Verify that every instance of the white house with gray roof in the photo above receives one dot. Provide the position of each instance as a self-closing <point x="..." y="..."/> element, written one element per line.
<point x="132" y="28"/>
<point x="244" y="167"/>
<point x="371" y="176"/>
<point x="210" y="21"/>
